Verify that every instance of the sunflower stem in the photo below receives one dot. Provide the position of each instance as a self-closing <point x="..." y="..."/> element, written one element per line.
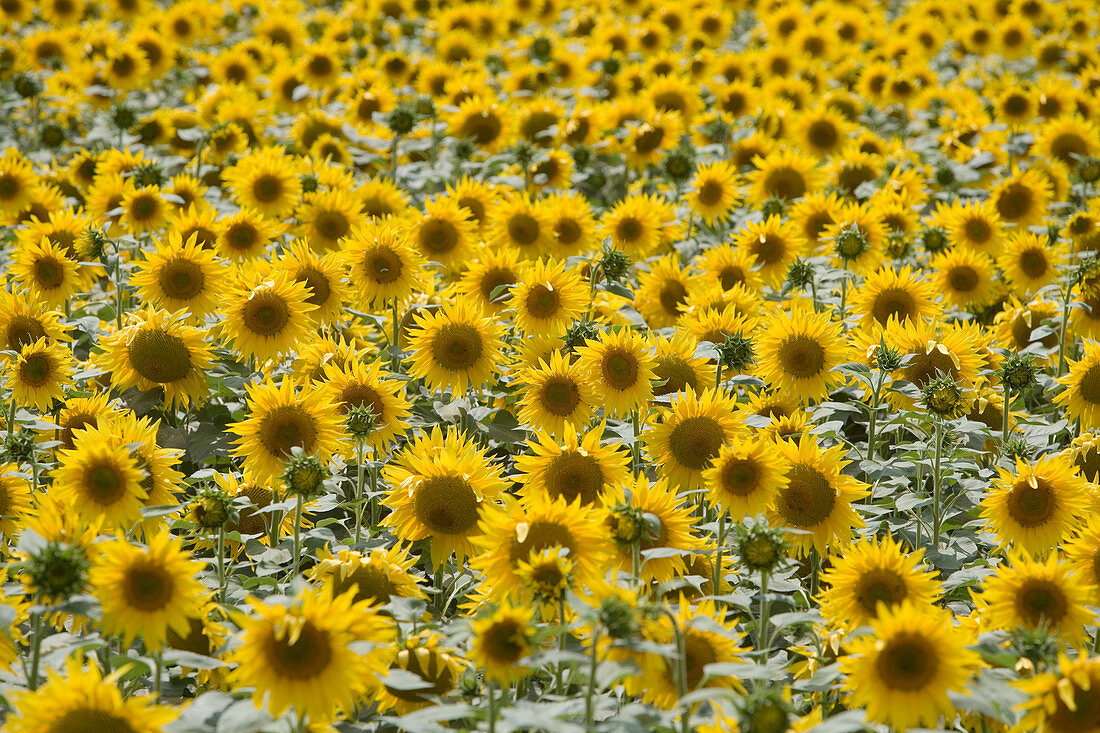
<point x="1062" y="328"/>
<point x="937" y="486"/>
<point x="815" y="567"/>
<point x="395" y="359"/>
<point x="36" y="650"/>
<point x="492" y="707"/>
<point x="561" y="643"/>
<point x="221" y="563"/>
<point x="1004" y="415"/>
<point x="118" y="286"/>
<point x="718" y="374"/>
<point x="590" y="691"/>
<point x="393" y="157"/>
<point x="274" y="520"/>
<point x="158" y="672"/>
<point x="296" y="561"/>
<point x="635" y="444"/>
<point x="763" y="635"/>
<point x="11" y="415"/>
<point x="716" y="571"/>
<point x="872" y="422"/>
<point x="359" y="490"/>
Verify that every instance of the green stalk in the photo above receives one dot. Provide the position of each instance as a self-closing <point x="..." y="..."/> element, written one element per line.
<point x="561" y="643"/>
<point x="1004" y="417"/>
<point x="395" y="360"/>
<point x="716" y="571"/>
<point x="764" y="636"/>
<point x="492" y="707"/>
<point x="937" y="485"/>
<point x="589" y="709"/>
<point x="36" y="650"/>
<point x="297" y="561"/>
<point x="359" y="491"/>
<point x="221" y="563"/>
<point x="158" y="672"/>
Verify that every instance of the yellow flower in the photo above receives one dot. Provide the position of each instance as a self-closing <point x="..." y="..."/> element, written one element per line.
<point x="620" y="368"/>
<point x="456" y="348"/>
<point x="690" y="435"/>
<point x="1029" y="593"/>
<point x="266" y="318"/>
<point x="745" y="477"/>
<point x="501" y="641"/>
<point x="574" y="467"/>
<point x="1081" y="398"/>
<point x="797" y="351"/>
<point x="1036" y="506"/>
<point x="40" y="374"/>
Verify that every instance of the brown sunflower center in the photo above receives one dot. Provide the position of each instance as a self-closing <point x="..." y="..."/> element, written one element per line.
<point x="331" y="225"/>
<point x="427" y="665"/>
<point x="370" y="582"/>
<point x="144" y="207"/>
<point x="572" y="474"/>
<point x="148" y="587"/>
<point x="672" y="296"/>
<point x="1031" y="506"/>
<point x="923" y="367"/>
<point x="1033" y="263"/>
<point x="1068" y="146"/>
<point x="49" y="273"/>
<point x="978" y="231"/>
<point x="484" y="127"/>
<point x="1038" y="600"/>
<point x="105" y="483"/>
<point x="801" y="356"/>
<point x="698" y="653"/>
<point x="159" y="357"/>
<point x="1083" y="718"/>
<point x="560" y="396"/>
<point x="88" y="720"/>
<point x="457" y="347"/>
<point x="305" y="659"/>
<point x="1015" y="202"/>
<point x="523" y="229"/>
<point x="266" y="313"/>
<point x="542" y="302"/>
<point x="963" y="278"/>
<point x="438" y="236"/>
<point x="196" y="641"/>
<point x="785" y="183"/>
<point x="384" y="265"/>
<point x="629" y="229"/>
<point x="287" y="427"/>
<point x="493" y="278"/>
<point x="907" y="662"/>
<point x="1089" y="387"/>
<point x="808" y="499"/>
<point x="23" y="330"/>
<point x="880" y="585"/>
<point x="541" y="534"/>
<point x="676" y="374"/>
<point x="267" y="189"/>
<point x="446" y="505"/>
<point x="696" y="441"/>
<point x="710" y="193"/>
<point x="359" y="394"/>
<point x="317" y="283"/>
<point x="181" y="278"/>
<point x="620" y="369"/>
<point x="251" y="522"/>
<point x="502" y="642"/>
<point x="35" y="369"/>
<point x="739" y="476"/>
<point x="893" y="302"/>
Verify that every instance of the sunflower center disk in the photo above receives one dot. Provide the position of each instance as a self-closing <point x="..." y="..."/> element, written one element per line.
<point x="286" y="428"/>
<point x="542" y="302"/>
<point x="181" y="279"/>
<point x="104" y="484"/>
<point x="308" y="657"/>
<point x="620" y="369"/>
<point x="808" y="499"/>
<point x="35" y="370"/>
<point x="696" y="441"/>
<point x="385" y="266"/>
<point x="1090" y="386"/>
<point x="739" y="478"/>
<point x="369" y="582"/>
<point x="1031" y="506"/>
<point x="160" y="357"/>
<point x="148" y="588"/>
<point x="571" y="474"/>
<point x="880" y="585"/>
<point x="438" y="237"/>
<point x="23" y="330"/>
<point x="457" y="347"/>
<point x="560" y="396"/>
<point x="87" y="720"/>
<point x="541" y="535"/>
<point x="266" y="314"/>
<point x="1041" y="600"/>
<point x="802" y="357"/>
<point x="446" y="505"/>
<point x="907" y="663"/>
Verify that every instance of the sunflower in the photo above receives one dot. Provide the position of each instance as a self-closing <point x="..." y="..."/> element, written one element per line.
<point x="17" y="182"/>
<point x="40" y="374"/>
<point x="773" y="243"/>
<point x="965" y="278"/>
<point x="1063" y="701"/>
<point x="1035" y="507"/>
<point x="784" y="174"/>
<point x="489" y="279"/>
<point x="301" y="655"/>
<point x="424" y="656"/>
<point x="745" y="477"/>
<point x="1022" y="198"/>
<point x="1023" y="326"/>
<point x="377" y="575"/>
<point x="714" y="191"/>
<point x="487" y="124"/>
<point x="159" y="349"/>
<point x="76" y="698"/>
<point x="268" y="317"/>
<point x="1081" y="397"/>
<point x="456" y="348"/>
<point x="633" y="225"/>
<point x="245" y="235"/>
<point x="82" y="412"/>
<point x="322" y="274"/>
<point x="1030" y="261"/>
<point x="573" y="223"/>
<point x="146" y="591"/>
<point x="1082" y="552"/>
<point x="357" y="384"/>
<point x="512" y="531"/>
<point x="690" y="435"/>
<point x="890" y="294"/>
<point x="15" y="499"/>
<point x="445" y="233"/>
<point x="871" y="575"/>
<point x="673" y="522"/>
<point x="265" y="181"/>
<point x="382" y="265"/>
<point x="138" y="435"/>
<point x="620" y="367"/>
<point x="662" y="292"/>
<point x="548" y="298"/>
<point x="1068" y="139"/>
<point x="502" y="640"/>
<point x="143" y="210"/>
<point x="677" y="367"/>
<point x="101" y="482"/>
<point x="181" y="275"/>
<point x="817" y="499"/>
<point x="280" y="419"/>
<point x="441" y="487"/>
<point x="576" y="467"/>
<point x="903" y="671"/>
<point x="47" y="272"/>
<point x="381" y="199"/>
<point x="707" y="639"/>
<point x="521" y="224"/>
<point x="1033" y="594"/>
<point x="555" y="395"/>
<point x="796" y="352"/>
<point x="975" y="225"/>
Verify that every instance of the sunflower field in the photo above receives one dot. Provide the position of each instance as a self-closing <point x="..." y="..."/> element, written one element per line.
<point x="536" y="365"/>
